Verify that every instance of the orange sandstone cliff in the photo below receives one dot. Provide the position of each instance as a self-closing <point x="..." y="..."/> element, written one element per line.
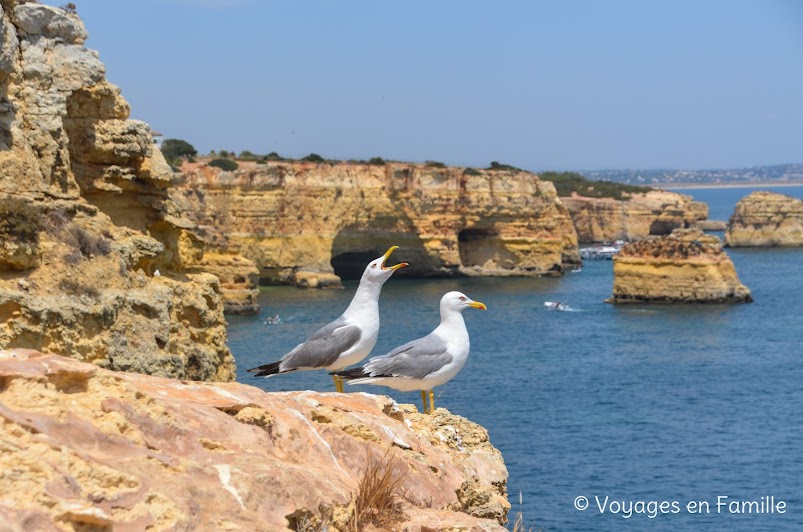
<point x="657" y="212"/>
<point x="95" y="261"/>
<point x="311" y="224"/>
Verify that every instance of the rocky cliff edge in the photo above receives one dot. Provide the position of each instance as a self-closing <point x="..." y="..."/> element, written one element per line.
<point x="95" y="261"/>
<point x="84" y="448"/>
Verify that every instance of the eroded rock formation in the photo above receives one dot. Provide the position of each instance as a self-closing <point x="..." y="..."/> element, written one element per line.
<point x="766" y="219"/>
<point x="657" y="212"/>
<point x="687" y="266"/>
<point x="87" y="219"/>
<point x="309" y="221"/>
<point x="85" y="448"/>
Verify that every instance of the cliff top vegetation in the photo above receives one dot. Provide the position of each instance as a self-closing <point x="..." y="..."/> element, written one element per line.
<point x="568" y="182"/>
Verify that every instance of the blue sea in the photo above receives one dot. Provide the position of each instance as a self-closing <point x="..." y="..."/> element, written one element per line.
<point x="622" y="407"/>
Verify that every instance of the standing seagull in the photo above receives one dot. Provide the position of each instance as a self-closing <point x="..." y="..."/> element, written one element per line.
<point x="349" y="338"/>
<point x="427" y="362"/>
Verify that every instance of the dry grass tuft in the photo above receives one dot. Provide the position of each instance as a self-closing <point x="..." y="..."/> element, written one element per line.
<point x="379" y="492"/>
<point x="518" y="524"/>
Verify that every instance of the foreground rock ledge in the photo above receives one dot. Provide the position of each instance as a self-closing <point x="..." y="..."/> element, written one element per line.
<point x="687" y="266"/>
<point x="87" y="448"/>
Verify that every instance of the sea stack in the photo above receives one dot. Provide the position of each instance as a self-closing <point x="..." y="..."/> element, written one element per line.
<point x="766" y="219"/>
<point x="686" y="266"/>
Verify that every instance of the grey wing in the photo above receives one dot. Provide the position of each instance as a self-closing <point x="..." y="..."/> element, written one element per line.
<point x="415" y="359"/>
<point x="324" y="347"/>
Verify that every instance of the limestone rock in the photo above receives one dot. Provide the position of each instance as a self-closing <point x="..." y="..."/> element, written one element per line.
<point x="18" y="255"/>
<point x="98" y="183"/>
<point x="334" y="218"/>
<point x="51" y="22"/>
<point x="656" y="212"/>
<point x="239" y="281"/>
<point x="711" y="225"/>
<point x="687" y="266"/>
<point x="766" y="219"/>
<point x="84" y="447"/>
<point x="317" y="280"/>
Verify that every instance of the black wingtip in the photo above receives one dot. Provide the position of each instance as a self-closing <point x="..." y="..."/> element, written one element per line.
<point x="266" y="370"/>
<point x="354" y="373"/>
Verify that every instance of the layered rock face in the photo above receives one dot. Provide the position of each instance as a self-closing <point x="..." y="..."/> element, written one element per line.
<point x="766" y="219"/>
<point x="88" y="449"/>
<point x="239" y="280"/>
<point x="87" y="218"/>
<point x="687" y="266"/>
<point x="304" y="223"/>
<point x="657" y="212"/>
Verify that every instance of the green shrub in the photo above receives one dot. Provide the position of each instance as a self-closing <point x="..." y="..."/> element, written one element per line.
<point x="568" y="182"/>
<point x="434" y="164"/>
<point x="378" y="161"/>
<point x="175" y="149"/>
<point x="20" y="221"/>
<point x="313" y="158"/>
<point x="224" y="164"/>
<point x="248" y="155"/>
<point x="499" y="166"/>
<point x="273" y="156"/>
<point x="472" y="171"/>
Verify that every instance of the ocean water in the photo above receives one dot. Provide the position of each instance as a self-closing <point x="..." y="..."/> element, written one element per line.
<point x="675" y="404"/>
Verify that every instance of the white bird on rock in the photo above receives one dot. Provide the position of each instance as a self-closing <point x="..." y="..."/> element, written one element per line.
<point x="426" y="362"/>
<point x="348" y="339"/>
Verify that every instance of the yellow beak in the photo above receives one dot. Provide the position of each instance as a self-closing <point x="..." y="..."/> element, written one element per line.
<point x="385" y="257"/>
<point x="477" y="304"/>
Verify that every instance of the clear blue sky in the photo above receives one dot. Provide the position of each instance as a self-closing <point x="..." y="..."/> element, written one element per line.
<point x="537" y="84"/>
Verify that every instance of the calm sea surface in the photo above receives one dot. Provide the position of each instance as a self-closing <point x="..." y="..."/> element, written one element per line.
<point x="634" y="403"/>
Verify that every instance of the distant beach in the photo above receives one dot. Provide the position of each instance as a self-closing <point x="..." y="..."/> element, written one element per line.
<point x="675" y="186"/>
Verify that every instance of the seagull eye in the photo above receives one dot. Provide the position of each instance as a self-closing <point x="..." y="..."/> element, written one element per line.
<point x="373" y="265"/>
<point x="462" y="298"/>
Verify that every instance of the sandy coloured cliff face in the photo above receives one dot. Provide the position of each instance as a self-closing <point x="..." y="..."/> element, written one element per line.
<point x="657" y="212"/>
<point x="687" y="266"/>
<point x="87" y="222"/>
<point x="763" y="219"/>
<point x="293" y="219"/>
<point x="84" y="448"/>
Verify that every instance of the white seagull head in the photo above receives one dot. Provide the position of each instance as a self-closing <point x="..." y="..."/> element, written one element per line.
<point x="459" y="301"/>
<point x="377" y="271"/>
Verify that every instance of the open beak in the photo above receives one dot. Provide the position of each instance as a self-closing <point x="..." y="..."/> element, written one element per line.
<point x="477" y="304"/>
<point x="385" y="258"/>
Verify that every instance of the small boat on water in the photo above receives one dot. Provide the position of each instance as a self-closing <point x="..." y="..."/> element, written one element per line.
<point x="601" y="251"/>
<point x="555" y="305"/>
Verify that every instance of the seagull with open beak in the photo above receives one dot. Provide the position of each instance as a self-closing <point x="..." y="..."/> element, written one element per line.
<point x="348" y="339"/>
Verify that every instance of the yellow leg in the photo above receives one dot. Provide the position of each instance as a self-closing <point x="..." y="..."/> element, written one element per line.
<point x="431" y="401"/>
<point x="338" y="383"/>
<point x="424" y="401"/>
